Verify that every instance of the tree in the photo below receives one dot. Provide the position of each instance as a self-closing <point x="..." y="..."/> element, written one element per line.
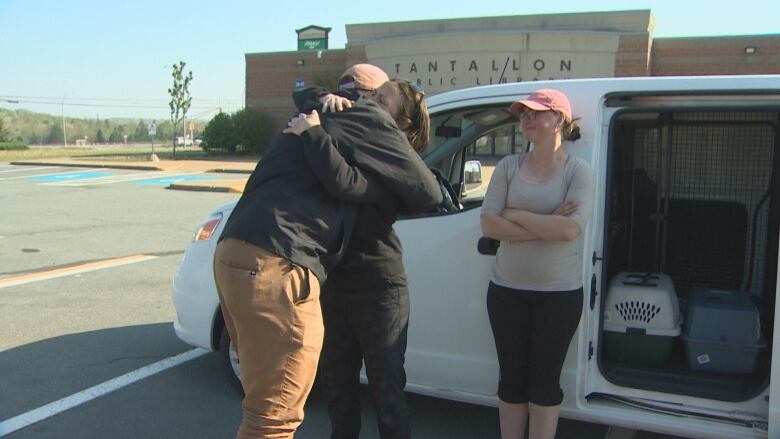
<point x="5" y="136"/>
<point x="180" y="98"/>
<point x="117" y="135"/>
<point x="164" y="130"/>
<point x="100" y="137"/>
<point x="55" y="135"/>
<point x="141" y="133"/>
<point x="220" y="133"/>
<point x="254" y="129"/>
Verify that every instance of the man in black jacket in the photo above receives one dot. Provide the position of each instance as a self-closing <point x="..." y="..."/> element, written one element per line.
<point x="285" y="234"/>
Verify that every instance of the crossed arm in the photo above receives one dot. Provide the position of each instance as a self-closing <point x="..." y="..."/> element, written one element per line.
<point x="522" y="225"/>
<point x="564" y="223"/>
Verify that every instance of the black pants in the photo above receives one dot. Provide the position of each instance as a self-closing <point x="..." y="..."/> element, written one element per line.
<point x="366" y="324"/>
<point x="532" y="331"/>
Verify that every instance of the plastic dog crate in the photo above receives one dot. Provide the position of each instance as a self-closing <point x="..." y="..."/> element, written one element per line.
<point x="641" y="318"/>
<point x="722" y="331"/>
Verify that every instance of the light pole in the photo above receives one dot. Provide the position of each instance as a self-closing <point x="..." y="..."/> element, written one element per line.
<point x="62" y="112"/>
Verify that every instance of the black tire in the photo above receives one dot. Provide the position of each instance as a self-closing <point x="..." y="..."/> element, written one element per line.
<point x="229" y="361"/>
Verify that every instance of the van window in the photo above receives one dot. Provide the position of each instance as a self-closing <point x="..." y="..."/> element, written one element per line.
<point x="501" y="142"/>
<point x="484" y="135"/>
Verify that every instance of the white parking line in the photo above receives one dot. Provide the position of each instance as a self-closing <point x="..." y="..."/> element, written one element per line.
<point x="26" y="168"/>
<point x="26" y="419"/>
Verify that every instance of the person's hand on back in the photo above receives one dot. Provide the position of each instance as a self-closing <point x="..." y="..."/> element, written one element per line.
<point x="334" y="103"/>
<point x="302" y="122"/>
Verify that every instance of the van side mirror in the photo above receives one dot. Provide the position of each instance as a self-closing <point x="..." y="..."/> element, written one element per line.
<point x="472" y="174"/>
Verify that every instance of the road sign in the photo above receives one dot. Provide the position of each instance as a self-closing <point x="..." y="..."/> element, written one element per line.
<point x="152" y="129"/>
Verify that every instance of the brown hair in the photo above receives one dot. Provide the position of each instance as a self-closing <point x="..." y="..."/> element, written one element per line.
<point x="570" y="130"/>
<point x="415" y="110"/>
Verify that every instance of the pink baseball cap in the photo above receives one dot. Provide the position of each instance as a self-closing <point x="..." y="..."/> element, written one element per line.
<point x="542" y="100"/>
<point x="362" y="77"/>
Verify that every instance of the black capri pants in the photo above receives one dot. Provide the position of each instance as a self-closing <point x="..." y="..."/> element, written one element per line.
<point x="532" y="331"/>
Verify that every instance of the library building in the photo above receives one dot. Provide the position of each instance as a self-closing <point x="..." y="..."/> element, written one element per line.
<point x="448" y="54"/>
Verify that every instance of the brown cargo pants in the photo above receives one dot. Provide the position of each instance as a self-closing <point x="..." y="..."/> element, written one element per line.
<point x="272" y="313"/>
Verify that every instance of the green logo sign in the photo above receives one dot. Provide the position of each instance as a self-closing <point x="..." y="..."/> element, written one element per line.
<point x="313" y="44"/>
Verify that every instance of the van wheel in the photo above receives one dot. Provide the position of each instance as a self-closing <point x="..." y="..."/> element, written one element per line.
<point x="229" y="357"/>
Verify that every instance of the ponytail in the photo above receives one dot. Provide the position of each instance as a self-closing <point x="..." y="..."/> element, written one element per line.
<point x="570" y="130"/>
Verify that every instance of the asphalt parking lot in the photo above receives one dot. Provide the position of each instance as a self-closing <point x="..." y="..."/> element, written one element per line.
<point x="87" y="347"/>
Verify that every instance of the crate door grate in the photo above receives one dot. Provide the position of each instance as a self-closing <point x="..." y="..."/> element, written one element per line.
<point x="637" y="311"/>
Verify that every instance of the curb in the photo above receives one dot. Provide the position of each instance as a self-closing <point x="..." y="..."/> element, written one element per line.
<point x="231" y="188"/>
<point x="183" y="187"/>
<point x="126" y="166"/>
<point x="231" y="171"/>
<point x="91" y="165"/>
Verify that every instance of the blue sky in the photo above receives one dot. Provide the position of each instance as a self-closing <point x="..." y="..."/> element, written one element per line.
<point x="113" y="58"/>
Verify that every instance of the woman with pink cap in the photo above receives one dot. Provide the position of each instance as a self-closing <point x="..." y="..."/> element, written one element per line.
<point x="537" y="204"/>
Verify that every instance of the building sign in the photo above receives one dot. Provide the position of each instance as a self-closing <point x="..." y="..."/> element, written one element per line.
<point x="300" y="84"/>
<point x="480" y="71"/>
<point x="313" y="38"/>
<point x="439" y="74"/>
<point x="440" y="65"/>
<point x="313" y="44"/>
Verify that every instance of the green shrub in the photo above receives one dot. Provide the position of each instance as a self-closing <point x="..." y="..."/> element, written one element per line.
<point x="254" y="130"/>
<point x="246" y="131"/>
<point x="220" y="134"/>
<point x="9" y="146"/>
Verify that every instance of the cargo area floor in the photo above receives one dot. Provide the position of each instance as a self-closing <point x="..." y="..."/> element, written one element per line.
<point x="676" y="377"/>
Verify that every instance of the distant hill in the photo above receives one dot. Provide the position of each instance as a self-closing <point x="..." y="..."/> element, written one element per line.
<point x="44" y="129"/>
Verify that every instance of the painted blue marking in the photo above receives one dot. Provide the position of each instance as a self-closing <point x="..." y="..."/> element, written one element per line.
<point x="72" y="176"/>
<point x="175" y="179"/>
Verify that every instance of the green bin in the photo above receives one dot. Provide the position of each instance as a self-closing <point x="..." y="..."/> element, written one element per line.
<point x="637" y="348"/>
<point x="641" y="319"/>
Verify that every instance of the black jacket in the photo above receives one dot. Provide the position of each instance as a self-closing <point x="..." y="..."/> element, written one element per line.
<point x="374" y="251"/>
<point x="289" y="209"/>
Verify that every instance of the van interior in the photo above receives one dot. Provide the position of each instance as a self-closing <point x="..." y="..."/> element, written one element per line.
<point x="692" y="197"/>
<point x="691" y="211"/>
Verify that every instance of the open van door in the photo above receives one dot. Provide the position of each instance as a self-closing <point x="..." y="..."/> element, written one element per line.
<point x="682" y="261"/>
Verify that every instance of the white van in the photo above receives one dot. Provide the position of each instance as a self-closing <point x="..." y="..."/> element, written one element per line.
<point x="679" y="259"/>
